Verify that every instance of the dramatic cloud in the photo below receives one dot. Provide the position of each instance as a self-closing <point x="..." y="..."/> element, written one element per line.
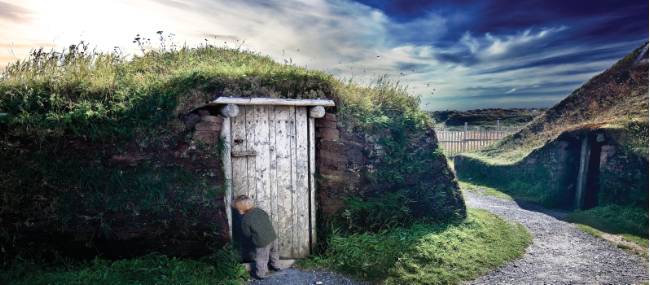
<point x="12" y="12"/>
<point x="454" y="54"/>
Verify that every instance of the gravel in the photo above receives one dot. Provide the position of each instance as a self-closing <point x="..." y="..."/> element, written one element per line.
<point x="293" y="276"/>
<point x="560" y="253"/>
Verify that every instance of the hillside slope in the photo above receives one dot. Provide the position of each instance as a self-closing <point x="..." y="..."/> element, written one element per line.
<point x="589" y="150"/>
<point x="611" y="99"/>
<point x="486" y="117"/>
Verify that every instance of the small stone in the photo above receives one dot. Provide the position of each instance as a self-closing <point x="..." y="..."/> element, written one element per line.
<point x="212" y="119"/>
<point x="207" y="126"/>
<point x="206" y="137"/>
<point x="325" y="124"/>
<point x="329" y="134"/>
<point x="329" y="117"/>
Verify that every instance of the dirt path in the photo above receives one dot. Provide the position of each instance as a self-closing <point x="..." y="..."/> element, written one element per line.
<point x="560" y="253"/>
<point x="294" y="276"/>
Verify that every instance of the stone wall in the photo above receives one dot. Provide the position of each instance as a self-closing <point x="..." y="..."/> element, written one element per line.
<point x="347" y="162"/>
<point x="340" y="161"/>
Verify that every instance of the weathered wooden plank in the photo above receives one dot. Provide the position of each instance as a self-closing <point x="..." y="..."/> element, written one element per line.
<point x="312" y="183"/>
<point x="227" y="171"/>
<point x="273" y="101"/>
<point x="294" y="204"/>
<point x="250" y="145"/>
<point x="239" y="166"/>
<point x="261" y="146"/>
<point x="283" y="178"/>
<point x="273" y="184"/>
<point x="301" y="200"/>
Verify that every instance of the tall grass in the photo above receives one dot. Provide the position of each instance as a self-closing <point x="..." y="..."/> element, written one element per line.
<point x="83" y="93"/>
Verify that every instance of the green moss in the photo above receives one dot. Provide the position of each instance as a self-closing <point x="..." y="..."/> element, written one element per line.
<point x="221" y="268"/>
<point x="426" y="253"/>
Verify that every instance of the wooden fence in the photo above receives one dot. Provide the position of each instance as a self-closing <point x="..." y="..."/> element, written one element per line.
<point x="464" y="140"/>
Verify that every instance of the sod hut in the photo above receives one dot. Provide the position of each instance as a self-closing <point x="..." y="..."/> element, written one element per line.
<point x="116" y="157"/>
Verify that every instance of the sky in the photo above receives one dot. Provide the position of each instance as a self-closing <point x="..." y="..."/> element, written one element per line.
<point x="454" y="54"/>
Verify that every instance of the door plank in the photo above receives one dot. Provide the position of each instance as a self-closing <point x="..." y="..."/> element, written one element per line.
<point x="262" y="158"/>
<point x="250" y="145"/>
<point x="301" y="194"/>
<point x="312" y="183"/>
<point x="294" y="205"/>
<point x="239" y="166"/>
<point x="273" y="182"/>
<point x="284" y="184"/>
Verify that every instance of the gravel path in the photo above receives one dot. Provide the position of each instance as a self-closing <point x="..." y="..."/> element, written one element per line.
<point x="298" y="277"/>
<point x="560" y="253"/>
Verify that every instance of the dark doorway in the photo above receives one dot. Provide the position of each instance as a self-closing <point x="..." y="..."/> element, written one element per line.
<point x="593" y="171"/>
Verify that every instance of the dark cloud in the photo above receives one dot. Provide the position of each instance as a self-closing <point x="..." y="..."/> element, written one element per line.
<point x="13" y="13"/>
<point x="586" y="56"/>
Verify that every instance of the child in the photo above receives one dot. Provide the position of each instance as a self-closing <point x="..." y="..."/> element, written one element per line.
<point x="256" y="226"/>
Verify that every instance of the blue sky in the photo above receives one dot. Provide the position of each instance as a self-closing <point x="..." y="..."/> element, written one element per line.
<point x="454" y="54"/>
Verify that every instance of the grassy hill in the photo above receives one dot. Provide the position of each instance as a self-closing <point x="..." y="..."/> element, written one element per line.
<point x="486" y="117"/>
<point x="615" y="99"/>
<point x="604" y="122"/>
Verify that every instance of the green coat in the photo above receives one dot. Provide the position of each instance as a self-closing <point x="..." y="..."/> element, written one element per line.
<point x="256" y="226"/>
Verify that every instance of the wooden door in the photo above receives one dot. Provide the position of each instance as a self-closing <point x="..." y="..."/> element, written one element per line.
<point x="270" y="163"/>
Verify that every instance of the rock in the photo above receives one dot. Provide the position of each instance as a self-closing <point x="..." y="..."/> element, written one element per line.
<point x="329" y="117"/>
<point x="325" y="124"/>
<point x="206" y="137"/>
<point x="212" y="119"/>
<point x="191" y="119"/>
<point x="328" y="134"/>
<point x="207" y="126"/>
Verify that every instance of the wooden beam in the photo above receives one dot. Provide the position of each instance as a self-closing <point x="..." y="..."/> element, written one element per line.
<point x="312" y="183"/>
<point x="273" y="101"/>
<point x="227" y="171"/>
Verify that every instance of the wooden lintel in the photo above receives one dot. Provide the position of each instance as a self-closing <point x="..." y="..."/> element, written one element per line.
<point x="274" y="101"/>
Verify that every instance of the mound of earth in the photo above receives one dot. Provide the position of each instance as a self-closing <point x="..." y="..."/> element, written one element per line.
<point x="612" y="99"/>
<point x="103" y="155"/>
<point x="589" y="150"/>
<point x="486" y="117"/>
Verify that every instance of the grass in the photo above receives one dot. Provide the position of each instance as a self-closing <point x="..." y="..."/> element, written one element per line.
<point x="222" y="269"/>
<point x="614" y="219"/>
<point x="530" y="183"/>
<point x="485" y="190"/>
<point x="426" y="253"/>
<point x="633" y="243"/>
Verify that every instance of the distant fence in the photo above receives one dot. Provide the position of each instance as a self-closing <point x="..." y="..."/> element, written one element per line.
<point x="454" y="141"/>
